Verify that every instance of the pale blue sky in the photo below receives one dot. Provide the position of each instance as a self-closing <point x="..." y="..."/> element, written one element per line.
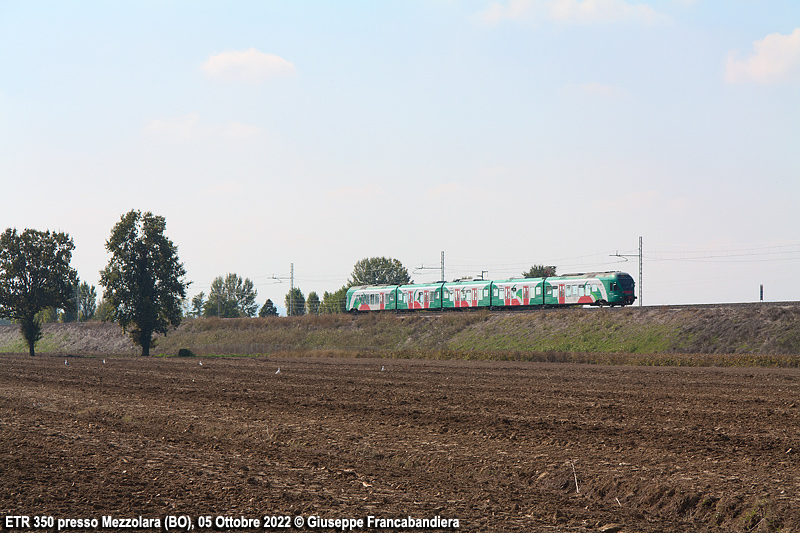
<point x="505" y="133"/>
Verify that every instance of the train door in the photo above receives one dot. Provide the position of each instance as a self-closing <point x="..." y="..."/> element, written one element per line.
<point x="525" y="294"/>
<point x="474" y="297"/>
<point x="561" y="299"/>
<point x="426" y="300"/>
<point x="382" y="302"/>
<point x="457" y="292"/>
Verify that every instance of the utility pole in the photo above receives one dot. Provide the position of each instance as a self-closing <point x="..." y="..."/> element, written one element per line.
<point x="423" y="267"/>
<point x="626" y="256"/>
<point x="640" y="270"/>
<point x="291" y="289"/>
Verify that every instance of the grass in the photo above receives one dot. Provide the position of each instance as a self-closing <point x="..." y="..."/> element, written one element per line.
<point x="756" y="336"/>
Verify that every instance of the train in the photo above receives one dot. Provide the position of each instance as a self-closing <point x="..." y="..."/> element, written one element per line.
<point x="570" y="290"/>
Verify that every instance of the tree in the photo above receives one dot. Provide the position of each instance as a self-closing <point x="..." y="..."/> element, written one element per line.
<point x="231" y="297"/>
<point x="268" y="309"/>
<point x="379" y="271"/>
<point x="540" y="271"/>
<point x="104" y="311"/>
<point x="312" y="303"/>
<point x="70" y="311"/>
<point x="334" y="302"/>
<point x="47" y="316"/>
<point x="87" y="301"/>
<point x="295" y="302"/>
<point x="34" y="275"/>
<point x="144" y="280"/>
<point x="197" y="304"/>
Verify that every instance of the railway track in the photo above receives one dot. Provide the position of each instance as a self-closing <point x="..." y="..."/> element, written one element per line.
<point x="634" y="308"/>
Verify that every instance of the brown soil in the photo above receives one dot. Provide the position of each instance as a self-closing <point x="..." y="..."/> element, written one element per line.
<point x="499" y="446"/>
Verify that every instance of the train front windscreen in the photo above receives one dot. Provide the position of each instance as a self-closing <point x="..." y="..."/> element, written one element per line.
<point x="627" y="285"/>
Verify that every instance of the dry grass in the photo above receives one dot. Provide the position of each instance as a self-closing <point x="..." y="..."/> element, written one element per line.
<point x="728" y="336"/>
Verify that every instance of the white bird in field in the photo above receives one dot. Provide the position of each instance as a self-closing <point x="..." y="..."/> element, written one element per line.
<point x="104" y="361"/>
<point x="381" y="369"/>
<point x="200" y="363"/>
<point x="66" y="363"/>
<point x="278" y="371"/>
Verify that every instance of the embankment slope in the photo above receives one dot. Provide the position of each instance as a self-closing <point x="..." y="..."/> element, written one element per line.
<point x="763" y="330"/>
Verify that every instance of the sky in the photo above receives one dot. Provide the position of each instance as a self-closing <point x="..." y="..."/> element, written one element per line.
<point x="503" y="133"/>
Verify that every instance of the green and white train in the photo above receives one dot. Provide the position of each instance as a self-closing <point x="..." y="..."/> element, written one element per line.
<point x="595" y="288"/>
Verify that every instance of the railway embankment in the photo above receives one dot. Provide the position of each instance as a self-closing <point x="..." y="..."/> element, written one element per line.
<point x="736" y="334"/>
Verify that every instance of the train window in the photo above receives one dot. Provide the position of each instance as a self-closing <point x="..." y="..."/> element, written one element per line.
<point x="549" y="291"/>
<point x="614" y="286"/>
<point x="569" y="290"/>
<point x="581" y="291"/>
<point x="538" y="290"/>
<point x="485" y="293"/>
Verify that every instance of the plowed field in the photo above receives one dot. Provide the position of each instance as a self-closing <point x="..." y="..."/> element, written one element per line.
<point x="498" y="446"/>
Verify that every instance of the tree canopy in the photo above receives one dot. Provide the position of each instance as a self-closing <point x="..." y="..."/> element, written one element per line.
<point x="198" y="302"/>
<point x="87" y="301"/>
<point x="231" y="297"/>
<point x="144" y="280"/>
<point x="295" y="302"/>
<point x="82" y="303"/>
<point x="312" y="303"/>
<point x="379" y="271"/>
<point x="34" y="275"/>
<point x="540" y="271"/>
<point x="334" y="302"/>
<point x="268" y="309"/>
<point x="104" y="311"/>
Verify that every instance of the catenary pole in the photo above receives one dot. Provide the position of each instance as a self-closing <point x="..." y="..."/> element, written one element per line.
<point x="640" y="270"/>
<point x="291" y="290"/>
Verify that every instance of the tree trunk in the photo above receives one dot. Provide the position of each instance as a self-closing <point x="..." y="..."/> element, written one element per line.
<point x="145" y="345"/>
<point x="31" y="331"/>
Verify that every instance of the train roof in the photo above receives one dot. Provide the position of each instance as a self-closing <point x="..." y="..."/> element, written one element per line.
<point x="592" y="274"/>
<point x="577" y="275"/>
<point x="370" y="287"/>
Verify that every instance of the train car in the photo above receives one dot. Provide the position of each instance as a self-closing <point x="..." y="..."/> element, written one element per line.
<point x="372" y="298"/>
<point x="421" y="296"/>
<point x="523" y="292"/>
<point x="466" y="294"/>
<point x="594" y="288"/>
